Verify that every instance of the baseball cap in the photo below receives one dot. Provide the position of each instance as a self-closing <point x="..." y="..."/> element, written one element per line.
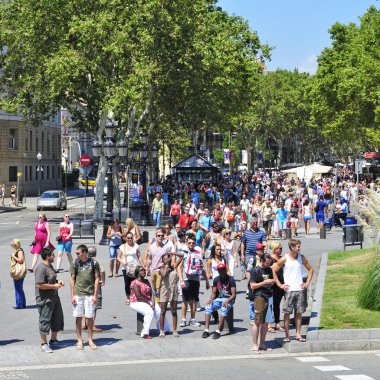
<point x="259" y="246"/>
<point x="221" y="266"/>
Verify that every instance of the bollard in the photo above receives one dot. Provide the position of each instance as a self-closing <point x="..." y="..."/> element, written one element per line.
<point x="288" y="232"/>
<point x="140" y="323"/>
<point x="322" y="233"/>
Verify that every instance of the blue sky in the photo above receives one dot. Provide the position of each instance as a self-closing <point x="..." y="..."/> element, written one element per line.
<point x="297" y="29"/>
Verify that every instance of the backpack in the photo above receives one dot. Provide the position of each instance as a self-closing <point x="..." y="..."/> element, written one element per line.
<point x="194" y="263"/>
<point x="76" y="268"/>
<point x="230" y="216"/>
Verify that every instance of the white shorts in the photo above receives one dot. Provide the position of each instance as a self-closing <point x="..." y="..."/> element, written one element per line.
<point x="84" y="304"/>
<point x="294" y="220"/>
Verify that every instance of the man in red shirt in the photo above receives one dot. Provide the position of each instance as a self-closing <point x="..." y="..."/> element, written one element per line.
<point x="185" y="219"/>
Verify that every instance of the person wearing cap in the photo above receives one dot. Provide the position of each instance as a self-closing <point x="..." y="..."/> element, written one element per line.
<point x="248" y="244"/>
<point x="222" y="298"/>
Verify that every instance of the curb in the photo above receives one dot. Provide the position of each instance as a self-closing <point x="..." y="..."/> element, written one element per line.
<point x="318" y="340"/>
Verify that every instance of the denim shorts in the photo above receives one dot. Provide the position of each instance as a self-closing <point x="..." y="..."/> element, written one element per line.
<point x="65" y="246"/>
<point x="113" y="251"/>
<point x="217" y="304"/>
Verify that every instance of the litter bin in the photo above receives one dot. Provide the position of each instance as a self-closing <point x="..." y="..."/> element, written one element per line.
<point x="353" y="235"/>
<point x="288" y="233"/>
<point x="322" y="232"/>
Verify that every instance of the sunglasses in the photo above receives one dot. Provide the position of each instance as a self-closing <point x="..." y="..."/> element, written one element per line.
<point x="191" y="242"/>
<point x="160" y="235"/>
<point x="228" y="233"/>
<point x="129" y="238"/>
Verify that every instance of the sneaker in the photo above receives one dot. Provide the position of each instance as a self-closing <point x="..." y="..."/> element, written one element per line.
<point x="205" y="334"/>
<point x="193" y="322"/>
<point x="216" y="335"/>
<point x="199" y="307"/>
<point x="45" y="348"/>
<point x="54" y="343"/>
<point x="183" y="323"/>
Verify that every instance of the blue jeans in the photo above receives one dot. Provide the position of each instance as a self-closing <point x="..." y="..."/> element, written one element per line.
<point x="218" y="304"/>
<point x="20" y="295"/>
<point x="157" y="218"/>
<point x="113" y="251"/>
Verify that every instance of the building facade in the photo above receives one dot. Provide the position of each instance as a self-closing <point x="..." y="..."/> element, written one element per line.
<point x="20" y="144"/>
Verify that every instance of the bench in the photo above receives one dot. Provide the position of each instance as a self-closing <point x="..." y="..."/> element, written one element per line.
<point x="228" y="321"/>
<point x="84" y="229"/>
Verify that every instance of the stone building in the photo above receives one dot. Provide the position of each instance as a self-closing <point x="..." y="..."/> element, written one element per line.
<point x="19" y="145"/>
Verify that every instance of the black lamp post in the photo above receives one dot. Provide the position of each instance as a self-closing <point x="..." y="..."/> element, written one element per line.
<point x="109" y="149"/>
<point x="39" y="172"/>
<point x="154" y="159"/>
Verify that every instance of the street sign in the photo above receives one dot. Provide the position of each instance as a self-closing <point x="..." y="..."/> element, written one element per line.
<point x="85" y="160"/>
<point x="19" y="174"/>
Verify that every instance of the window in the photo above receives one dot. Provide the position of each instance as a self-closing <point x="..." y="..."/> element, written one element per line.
<point x="42" y="172"/>
<point x="37" y="175"/>
<point x="26" y="173"/>
<point x="42" y="141"/>
<point x="26" y="141"/>
<point x="30" y="140"/>
<point x="58" y="173"/>
<point x="30" y="173"/>
<point x="13" y="174"/>
<point x="13" y="138"/>
<point x="48" y="145"/>
<point x="53" y="172"/>
<point x="47" y="172"/>
<point x="37" y="147"/>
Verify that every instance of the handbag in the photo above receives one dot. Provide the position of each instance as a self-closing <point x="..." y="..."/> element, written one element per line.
<point x="130" y="268"/>
<point x="58" y="238"/>
<point x="17" y="270"/>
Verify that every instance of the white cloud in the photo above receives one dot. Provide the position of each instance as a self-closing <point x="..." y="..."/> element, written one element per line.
<point x="308" y="65"/>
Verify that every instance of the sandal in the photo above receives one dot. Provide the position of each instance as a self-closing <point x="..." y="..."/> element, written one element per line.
<point x="257" y="352"/>
<point x="271" y="330"/>
<point x="127" y="301"/>
<point x="280" y="329"/>
<point x="111" y="275"/>
<point x="162" y="334"/>
<point x="79" y="346"/>
<point x="286" y="340"/>
<point x="93" y="346"/>
<point x="265" y="348"/>
<point x="175" y="334"/>
<point x="301" y="340"/>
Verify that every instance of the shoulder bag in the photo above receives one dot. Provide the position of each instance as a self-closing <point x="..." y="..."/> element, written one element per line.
<point x="17" y="270"/>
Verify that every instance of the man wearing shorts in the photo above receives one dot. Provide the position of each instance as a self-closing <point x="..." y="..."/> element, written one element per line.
<point x="222" y="298"/>
<point x="84" y="286"/>
<point x="47" y="300"/>
<point x="261" y="284"/>
<point x="294" y="286"/>
<point x="189" y="272"/>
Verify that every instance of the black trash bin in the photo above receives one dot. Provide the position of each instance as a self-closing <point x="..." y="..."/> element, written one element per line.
<point x="353" y="235"/>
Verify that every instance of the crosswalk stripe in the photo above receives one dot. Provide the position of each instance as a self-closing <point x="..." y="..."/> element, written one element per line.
<point x="330" y="368"/>
<point x="354" y="377"/>
<point x="310" y="359"/>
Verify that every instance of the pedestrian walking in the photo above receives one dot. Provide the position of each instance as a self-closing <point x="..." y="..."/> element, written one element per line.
<point x="41" y="239"/>
<point x="157" y="209"/>
<point x="65" y="241"/>
<point x="114" y="234"/>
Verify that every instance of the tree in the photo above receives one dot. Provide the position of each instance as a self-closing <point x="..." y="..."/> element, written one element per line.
<point x="346" y="97"/>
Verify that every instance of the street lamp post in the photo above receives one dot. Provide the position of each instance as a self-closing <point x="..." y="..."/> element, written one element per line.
<point x="109" y="149"/>
<point x="66" y="160"/>
<point x="39" y="171"/>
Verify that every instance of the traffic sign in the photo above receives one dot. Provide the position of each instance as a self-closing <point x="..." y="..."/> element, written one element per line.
<point x="19" y="174"/>
<point x="85" y="160"/>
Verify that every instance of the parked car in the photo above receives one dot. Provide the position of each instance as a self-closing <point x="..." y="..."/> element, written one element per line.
<point x="53" y="199"/>
<point x="91" y="181"/>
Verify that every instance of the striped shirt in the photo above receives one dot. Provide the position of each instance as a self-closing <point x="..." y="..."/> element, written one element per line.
<point x="250" y="239"/>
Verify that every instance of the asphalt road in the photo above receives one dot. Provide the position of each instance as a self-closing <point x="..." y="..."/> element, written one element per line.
<point x="122" y="353"/>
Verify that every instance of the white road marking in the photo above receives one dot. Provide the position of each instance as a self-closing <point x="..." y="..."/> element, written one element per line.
<point x="310" y="359"/>
<point x="354" y="377"/>
<point x="330" y="368"/>
<point x="178" y="360"/>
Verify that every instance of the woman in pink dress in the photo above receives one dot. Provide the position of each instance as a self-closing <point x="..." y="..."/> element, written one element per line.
<point x="41" y="239"/>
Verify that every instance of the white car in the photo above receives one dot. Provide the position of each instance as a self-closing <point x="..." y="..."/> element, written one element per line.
<point x="53" y="199"/>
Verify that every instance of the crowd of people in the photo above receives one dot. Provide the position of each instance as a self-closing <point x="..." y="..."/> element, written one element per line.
<point x="214" y="232"/>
